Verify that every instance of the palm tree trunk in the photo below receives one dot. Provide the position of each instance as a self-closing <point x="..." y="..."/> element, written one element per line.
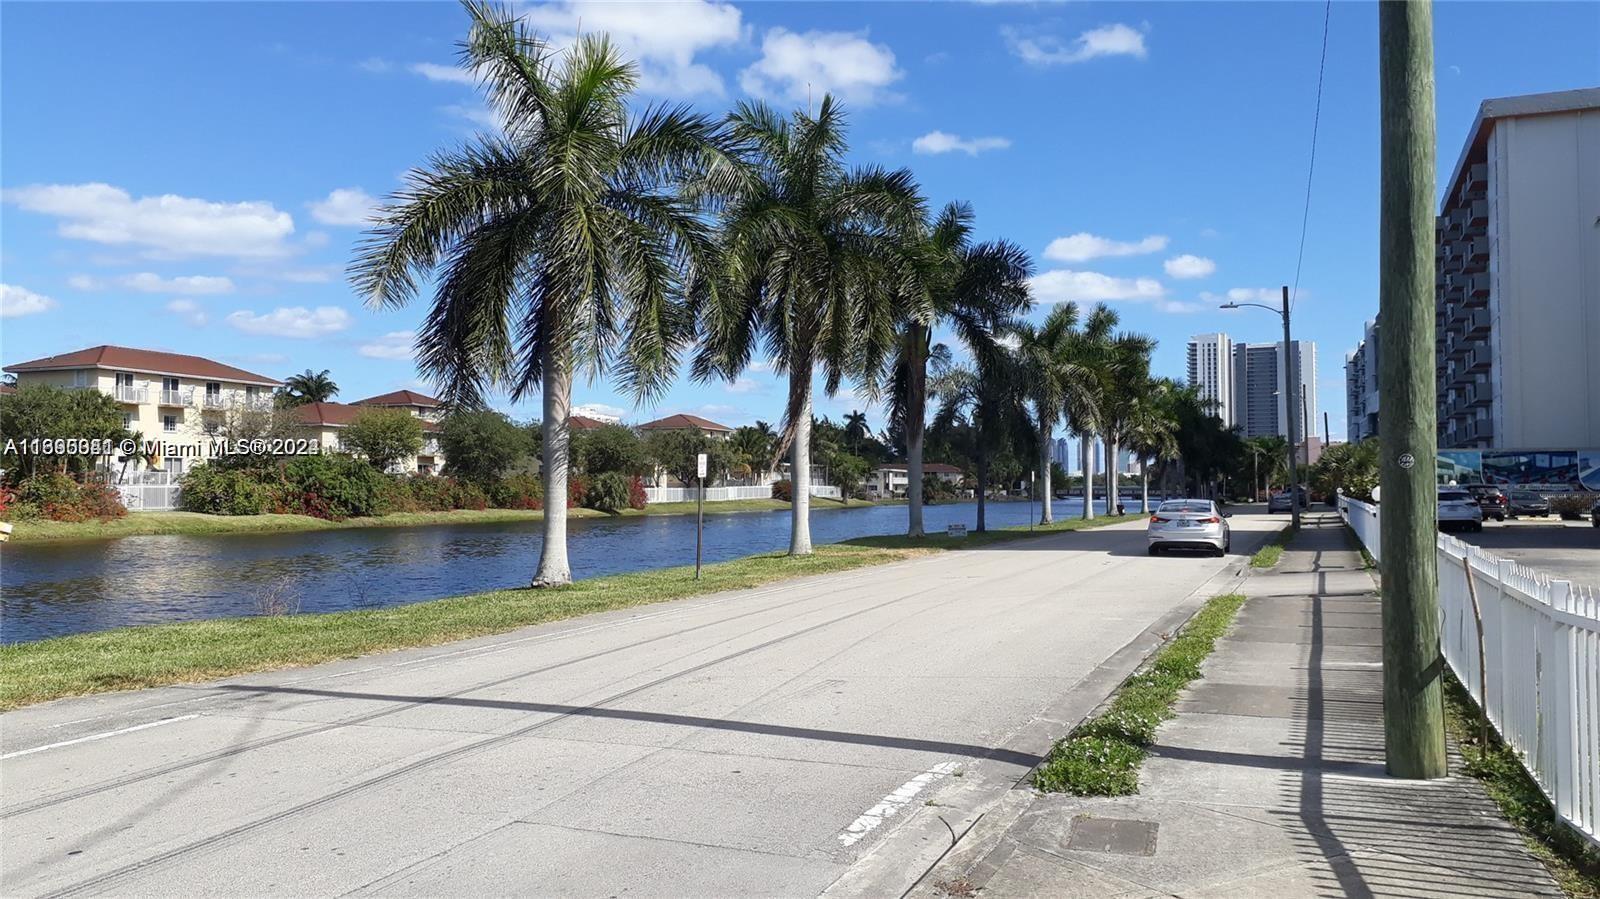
<point x="983" y="488"/>
<point x="916" y="423"/>
<point x="1144" y="486"/>
<point x="1113" y="496"/>
<point x="553" y="567"/>
<point x="800" y="471"/>
<point x="1086" y="458"/>
<point x="1045" y="516"/>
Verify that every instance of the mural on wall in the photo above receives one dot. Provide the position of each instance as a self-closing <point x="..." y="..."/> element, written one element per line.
<point x="1548" y="469"/>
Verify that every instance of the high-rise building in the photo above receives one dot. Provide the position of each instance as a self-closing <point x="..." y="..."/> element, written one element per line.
<point x="1211" y="372"/>
<point x="1260" y="408"/>
<point x="1361" y="386"/>
<point x="1517" y="307"/>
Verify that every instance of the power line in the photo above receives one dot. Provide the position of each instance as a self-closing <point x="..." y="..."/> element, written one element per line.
<point x="1316" y="119"/>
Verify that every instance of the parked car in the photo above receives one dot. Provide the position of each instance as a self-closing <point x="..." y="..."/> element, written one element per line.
<point x="1457" y="509"/>
<point x="1491" y="499"/>
<point x="1594" y="513"/>
<point x="1526" y="502"/>
<point x="1280" y="502"/>
<point x="1189" y="524"/>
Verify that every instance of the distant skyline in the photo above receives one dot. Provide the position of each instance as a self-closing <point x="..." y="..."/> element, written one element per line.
<point x="193" y="177"/>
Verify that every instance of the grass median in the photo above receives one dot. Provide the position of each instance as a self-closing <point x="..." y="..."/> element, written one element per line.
<point x="1268" y="556"/>
<point x="140" y="524"/>
<point x="155" y="655"/>
<point x="1102" y="756"/>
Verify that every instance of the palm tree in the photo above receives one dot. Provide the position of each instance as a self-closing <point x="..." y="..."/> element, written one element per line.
<point x="752" y="446"/>
<point x="974" y="288"/>
<point x="309" y="387"/>
<point x="1089" y="349"/>
<point x="856" y="429"/>
<point x="1124" y="370"/>
<point x="988" y="400"/>
<point x="807" y="246"/>
<point x="1056" y="379"/>
<point x="568" y="241"/>
<point x="1152" y="430"/>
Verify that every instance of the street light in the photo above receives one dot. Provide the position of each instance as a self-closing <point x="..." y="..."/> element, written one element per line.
<point x="1288" y="399"/>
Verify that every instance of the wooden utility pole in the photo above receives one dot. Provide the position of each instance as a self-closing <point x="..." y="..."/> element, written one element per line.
<point x="1413" y="709"/>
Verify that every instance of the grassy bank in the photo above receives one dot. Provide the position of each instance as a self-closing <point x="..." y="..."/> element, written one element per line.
<point x="154" y="655"/>
<point x="1570" y="859"/>
<point x="1102" y="756"/>
<point x="196" y="523"/>
<point x="1268" y="556"/>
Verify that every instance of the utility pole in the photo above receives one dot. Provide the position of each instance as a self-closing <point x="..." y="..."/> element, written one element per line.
<point x="1327" y="433"/>
<point x="1292" y="414"/>
<point x="1305" y="418"/>
<point x="1413" y="707"/>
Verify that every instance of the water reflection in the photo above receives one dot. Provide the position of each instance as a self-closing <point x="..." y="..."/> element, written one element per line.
<point x="49" y="590"/>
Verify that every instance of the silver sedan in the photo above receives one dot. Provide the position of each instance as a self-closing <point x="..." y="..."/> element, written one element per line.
<point x="1189" y="524"/>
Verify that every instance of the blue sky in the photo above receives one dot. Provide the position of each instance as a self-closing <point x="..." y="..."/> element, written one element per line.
<point x="192" y="177"/>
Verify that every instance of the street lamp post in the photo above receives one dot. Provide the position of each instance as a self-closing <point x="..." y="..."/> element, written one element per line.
<point x="1290" y="412"/>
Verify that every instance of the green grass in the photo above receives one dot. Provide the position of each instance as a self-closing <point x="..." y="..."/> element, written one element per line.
<point x="148" y="656"/>
<point x="1570" y="859"/>
<point x="1102" y="756"/>
<point x="197" y="523"/>
<point x="1268" y="556"/>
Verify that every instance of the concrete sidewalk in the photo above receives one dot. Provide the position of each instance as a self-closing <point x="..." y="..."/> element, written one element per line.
<point x="1269" y="782"/>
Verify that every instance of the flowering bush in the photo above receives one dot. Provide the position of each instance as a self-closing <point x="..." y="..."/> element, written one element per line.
<point x="636" y="495"/>
<point x="56" y="496"/>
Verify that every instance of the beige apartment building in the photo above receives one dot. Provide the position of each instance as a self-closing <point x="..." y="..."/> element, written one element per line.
<point x="326" y="423"/>
<point x="179" y="400"/>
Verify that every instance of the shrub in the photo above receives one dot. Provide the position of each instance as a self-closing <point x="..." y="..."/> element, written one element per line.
<point x="97" y="499"/>
<point x="519" y="491"/>
<point x="637" y="499"/>
<point x="783" y="490"/>
<point x="608" y="492"/>
<point x="225" y="491"/>
<point x="58" y="497"/>
<point x="469" y="496"/>
<point x="431" y="494"/>
<point x="577" y="491"/>
<point x="1572" y="505"/>
<point x="333" y="486"/>
<point x="396" y="496"/>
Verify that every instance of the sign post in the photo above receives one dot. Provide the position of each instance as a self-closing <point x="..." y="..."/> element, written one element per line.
<point x="699" y="510"/>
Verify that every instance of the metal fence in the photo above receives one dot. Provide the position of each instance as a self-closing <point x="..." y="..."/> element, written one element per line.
<point x="149" y="491"/>
<point x="724" y="494"/>
<point x="1541" y="658"/>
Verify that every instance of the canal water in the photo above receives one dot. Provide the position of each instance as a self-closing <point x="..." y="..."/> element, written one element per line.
<point x="54" y="589"/>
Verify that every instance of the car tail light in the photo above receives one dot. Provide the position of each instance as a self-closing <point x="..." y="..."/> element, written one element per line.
<point x="1156" y="518"/>
<point x="1212" y="520"/>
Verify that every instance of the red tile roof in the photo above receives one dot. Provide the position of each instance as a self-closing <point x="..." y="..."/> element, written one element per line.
<point x="584" y="422"/>
<point x="400" y="398"/>
<point x="682" y="422"/>
<point x="147" y="361"/>
<point x="337" y="415"/>
<point x="7" y="388"/>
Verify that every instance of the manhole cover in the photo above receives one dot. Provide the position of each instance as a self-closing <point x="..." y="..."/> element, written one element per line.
<point x="1115" y="835"/>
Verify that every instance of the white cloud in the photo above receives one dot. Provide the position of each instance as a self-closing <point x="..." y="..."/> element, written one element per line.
<point x="167" y="226"/>
<point x="375" y="64"/>
<point x="450" y="74"/>
<point x="16" y="301"/>
<point x="1064" y="285"/>
<point x="1047" y="50"/>
<point x="478" y="114"/>
<point x="941" y="142"/>
<point x="663" y="38"/>
<point x="150" y="282"/>
<point x="1188" y="266"/>
<point x="1084" y="246"/>
<point x="190" y="311"/>
<point x="344" y="206"/>
<point x="1182" y="307"/>
<point x="292" y="321"/>
<point x="744" y="385"/>
<point x="599" y="412"/>
<point x="393" y="345"/>
<point x="798" y="68"/>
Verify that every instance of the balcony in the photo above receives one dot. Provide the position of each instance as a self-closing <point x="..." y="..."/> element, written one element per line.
<point x="1478" y="212"/>
<point x="176" y="397"/>
<point x="1478" y="285"/>
<point x="1477" y="360"/>
<point x="127" y="394"/>
<point x="1477" y="249"/>
<point x="213" y="401"/>
<point x="1476" y="323"/>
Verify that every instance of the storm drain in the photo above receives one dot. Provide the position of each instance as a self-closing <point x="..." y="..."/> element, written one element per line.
<point x="1115" y="835"/>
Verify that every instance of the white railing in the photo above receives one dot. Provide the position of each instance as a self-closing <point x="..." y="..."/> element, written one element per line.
<point x="149" y="491"/>
<point x="725" y="494"/>
<point x="1541" y="656"/>
<point x="126" y="394"/>
<point x="176" y="397"/>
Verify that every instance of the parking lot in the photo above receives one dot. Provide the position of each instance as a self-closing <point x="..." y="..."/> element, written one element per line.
<point x="1562" y="549"/>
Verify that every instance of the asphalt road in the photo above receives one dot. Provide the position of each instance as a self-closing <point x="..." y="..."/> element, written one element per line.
<point x="774" y="741"/>
<point x="1566" y="550"/>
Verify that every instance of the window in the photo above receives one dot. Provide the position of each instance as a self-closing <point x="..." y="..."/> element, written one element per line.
<point x="125" y="379"/>
<point x="169" y="423"/>
<point x="169" y="384"/>
<point x="213" y="389"/>
<point x="127" y="421"/>
<point x="82" y="377"/>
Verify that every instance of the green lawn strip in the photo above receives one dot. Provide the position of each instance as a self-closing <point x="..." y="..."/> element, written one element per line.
<point x="1102" y="756"/>
<point x="197" y="523"/>
<point x="153" y="655"/>
<point x="1573" y="862"/>
<point x="1268" y="556"/>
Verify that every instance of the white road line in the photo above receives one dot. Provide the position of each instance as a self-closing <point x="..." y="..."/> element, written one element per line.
<point x="889" y="805"/>
<point x="92" y="737"/>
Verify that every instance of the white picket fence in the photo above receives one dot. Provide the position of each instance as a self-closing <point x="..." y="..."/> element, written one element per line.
<point x="724" y="494"/>
<point x="1542" y="658"/>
